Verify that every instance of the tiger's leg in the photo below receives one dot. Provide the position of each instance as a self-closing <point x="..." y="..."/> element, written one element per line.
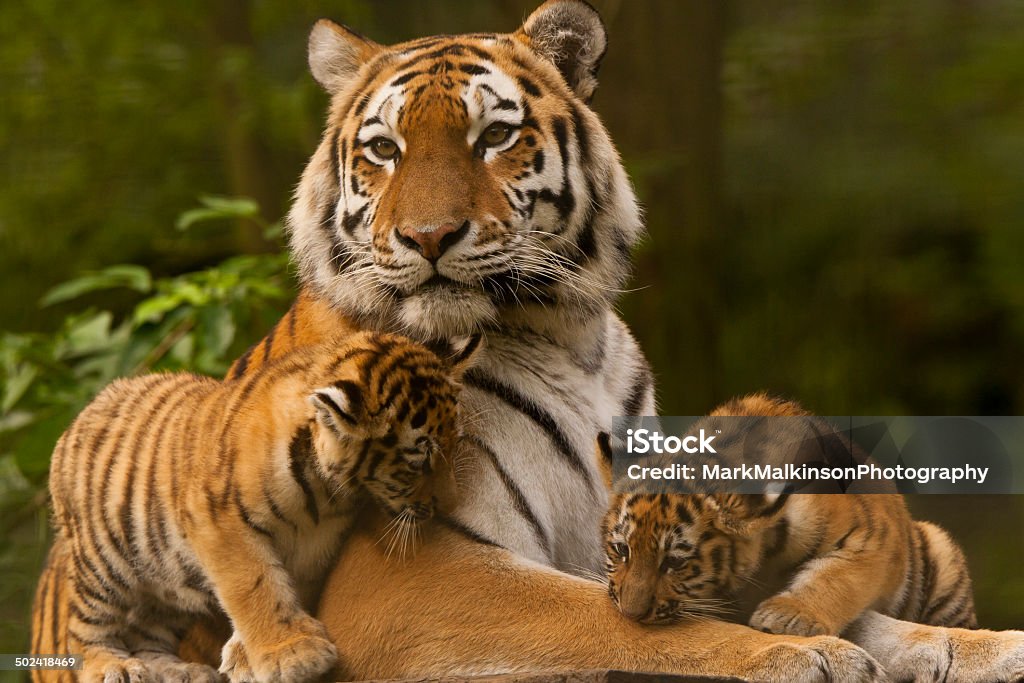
<point x="97" y="610"/>
<point x="274" y="638"/>
<point x="916" y="652"/>
<point x="950" y="598"/>
<point x="50" y="613"/>
<point x="461" y="607"/>
<point x="154" y="639"/>
<point x="857" y="563"/>
<point x="826" y="594"/>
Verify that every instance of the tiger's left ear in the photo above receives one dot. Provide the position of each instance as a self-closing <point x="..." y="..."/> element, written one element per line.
<point x="570" y="35"/>
<point x="466" y="353"/>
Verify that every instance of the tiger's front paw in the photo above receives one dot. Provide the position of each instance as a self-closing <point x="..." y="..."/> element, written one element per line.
<point x="815" y="660"/>
<point x="786" y="615"/>
<point x="234" y="662"/>
<point x="302" y="653"/>
<point x="118" y="670"/>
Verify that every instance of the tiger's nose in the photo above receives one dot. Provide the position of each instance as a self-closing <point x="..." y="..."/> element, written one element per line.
<point x="431" y="243"/>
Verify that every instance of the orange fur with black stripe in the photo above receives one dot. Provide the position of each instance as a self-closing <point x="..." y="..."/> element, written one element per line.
<point x="835" y="556"/>
<point x="177" y="495"/>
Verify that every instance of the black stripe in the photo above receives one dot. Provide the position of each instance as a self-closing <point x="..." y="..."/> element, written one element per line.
<point x="519" y="500"/>
<point x="335" y="154"/>
<point x="544" y="420"/>
<point x="927" y="570"/>
<point x="268" y="343"/>
<point x="299" y="451"/>
<point x="529" y="86"/>
<point x="464" y="530"/>
<point x="641" y="385"/>
<point x="40" y="603"/>
<point x="58" y="585"/>
<point x="276" y="510"/>
<point x="292" y="312"/>
<point x="242" y="364"/>
<point x="243" y="512"/>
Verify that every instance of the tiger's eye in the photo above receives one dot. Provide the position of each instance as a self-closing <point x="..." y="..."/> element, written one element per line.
<point x="384" y="148"/>
<point x="495" y="134"/>
<point x="672" y="563"/>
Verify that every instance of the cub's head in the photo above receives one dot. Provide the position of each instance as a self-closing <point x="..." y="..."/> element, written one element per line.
<point x="388" y="422"/>
<point x="669" y="555"/>
<point x="463" y="181"/>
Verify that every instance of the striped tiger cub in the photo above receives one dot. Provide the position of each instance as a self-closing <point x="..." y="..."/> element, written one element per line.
<point x="178" y="495"/>
<point x="805" y="564"/>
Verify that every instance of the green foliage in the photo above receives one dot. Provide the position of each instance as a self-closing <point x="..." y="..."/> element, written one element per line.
<point x="197" y="321"/>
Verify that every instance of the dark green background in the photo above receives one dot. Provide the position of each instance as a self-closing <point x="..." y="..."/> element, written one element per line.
<point x="833" y="192"/>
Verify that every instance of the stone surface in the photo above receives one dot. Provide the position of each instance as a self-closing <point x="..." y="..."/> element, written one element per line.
<point x="598" y="676"/>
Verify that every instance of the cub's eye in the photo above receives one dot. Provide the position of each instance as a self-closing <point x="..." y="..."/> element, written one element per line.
<point x="620" y="550"/>
<point x="384" y="148"/>
<point x="495" y="134"/>
<point x="672" y="563"/>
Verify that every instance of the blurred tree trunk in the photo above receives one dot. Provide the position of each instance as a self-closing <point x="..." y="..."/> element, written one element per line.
<point x="248" y="163"/>
<point x="668" y="56"/>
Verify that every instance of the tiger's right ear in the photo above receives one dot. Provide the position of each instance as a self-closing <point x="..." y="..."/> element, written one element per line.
<point x="337" y="406"/>
<point x="335" y="54"/>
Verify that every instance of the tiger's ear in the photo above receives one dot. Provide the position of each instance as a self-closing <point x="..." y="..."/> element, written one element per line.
<point x="335" y="54"/>
<point x="570" y="35"/>
<point x="338" y="406"/>
<point x="466" y="353"/>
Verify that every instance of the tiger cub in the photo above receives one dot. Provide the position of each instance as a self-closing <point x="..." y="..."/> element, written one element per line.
<point x="821" y="560"/>
<point x="179" y="495"/>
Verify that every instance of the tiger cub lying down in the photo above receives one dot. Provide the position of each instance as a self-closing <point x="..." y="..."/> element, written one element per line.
<point x="180" y="494"/>
<point x="833" y="556"/>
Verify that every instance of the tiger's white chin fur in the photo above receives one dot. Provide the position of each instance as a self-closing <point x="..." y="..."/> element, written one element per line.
<point x="444" y="312"/>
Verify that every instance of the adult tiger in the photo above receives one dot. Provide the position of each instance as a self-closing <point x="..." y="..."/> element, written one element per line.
<point x="462" y="184"/>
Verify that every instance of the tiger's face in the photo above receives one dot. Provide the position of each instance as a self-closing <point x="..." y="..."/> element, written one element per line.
<point x="462" y="180"/>
<point x="669" y="555"/>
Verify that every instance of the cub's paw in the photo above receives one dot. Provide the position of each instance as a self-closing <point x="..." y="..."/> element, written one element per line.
<point x="234" y="662"/>
<point x="130" y="670"/>
<point x="302" y="653"/>
<point x="168" y="671"/>
<point x="815" y="660"/>
<point x="786" y="615"/>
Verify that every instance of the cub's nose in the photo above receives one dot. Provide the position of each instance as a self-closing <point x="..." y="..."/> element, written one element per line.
<point x="431" y="243"/>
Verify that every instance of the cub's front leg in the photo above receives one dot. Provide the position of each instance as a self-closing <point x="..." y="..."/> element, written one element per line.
<point x="274" y="639"/>
<point x="827" y="594"/>
<point x="861" y="562"/>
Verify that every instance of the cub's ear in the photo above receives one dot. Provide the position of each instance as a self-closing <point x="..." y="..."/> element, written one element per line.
<point x="466" y="353"/>
<point x="338" y="406"/>
<point x="570" y="35"/>
<point x="335" y="54"/>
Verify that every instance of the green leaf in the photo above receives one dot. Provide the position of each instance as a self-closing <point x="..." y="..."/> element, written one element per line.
<point x="216" y="208"/>
<point x="218" y="329"/>
<point x="154" y="308"/>
<point x="90" y="333"/>
<point x="133" y="277"/>
<point x="16" y="385"/>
